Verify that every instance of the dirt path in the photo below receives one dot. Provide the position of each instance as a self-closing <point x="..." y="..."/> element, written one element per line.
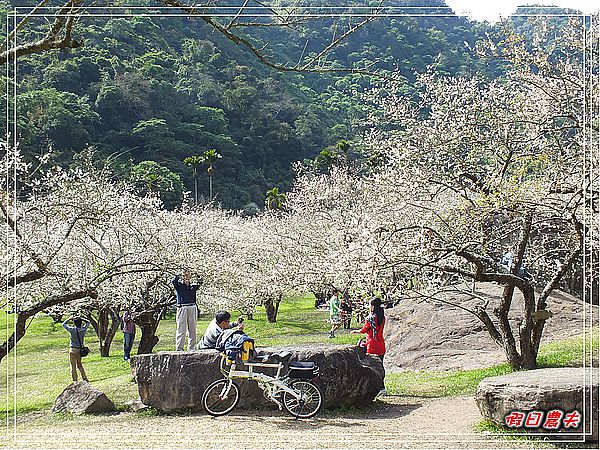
<point x="395" y="422"/>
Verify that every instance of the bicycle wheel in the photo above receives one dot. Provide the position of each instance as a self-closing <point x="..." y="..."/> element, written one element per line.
<point x="309" y="402"/>
<point x="219" y="399"/>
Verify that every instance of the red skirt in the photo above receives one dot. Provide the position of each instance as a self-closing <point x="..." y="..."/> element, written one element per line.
<point x="375" y="347"/>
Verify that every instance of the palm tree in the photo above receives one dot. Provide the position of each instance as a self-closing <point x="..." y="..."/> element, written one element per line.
<point x="275" y="199"/>
<point x="194" y="161"/>
<point x="152" y="181"/>
<point x="326" y="159"/>
<point x="343" y="147"/>
<point x="210" y="157"/>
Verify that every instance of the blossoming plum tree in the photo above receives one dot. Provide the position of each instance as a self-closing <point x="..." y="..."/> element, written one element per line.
<point x="469" y="173"/>
<point x="66" y="236"/>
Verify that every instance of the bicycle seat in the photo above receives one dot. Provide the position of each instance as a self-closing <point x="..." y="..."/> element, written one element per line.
<point x="280" y="356"/>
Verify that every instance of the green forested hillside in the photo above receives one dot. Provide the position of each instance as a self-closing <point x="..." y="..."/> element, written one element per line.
<point x="165" y="88"/>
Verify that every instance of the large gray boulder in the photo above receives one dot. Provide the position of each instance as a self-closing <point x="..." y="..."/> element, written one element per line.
<point x="82" y="398"/>
<point x="437" y="336"/>
<point x="171" y="381"/>
<point x="567" y="389"/>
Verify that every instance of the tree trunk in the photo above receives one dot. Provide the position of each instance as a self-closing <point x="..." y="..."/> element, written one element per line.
<point x="528" y="360"/>
<point x="508" y="339"/>
<point x="22" y="317"/>
<point x="148" y="323"/>
<point x="527" y="357"/>
<point x="19" y="332"/>
<point x="148" y="340"/>
<point x="112" y="331"/>
<point x="525" y="361"/>
<point x="102" y="331"/>
<point x="534" y="311"/>
<point x="526" y="340"/>
<point x="272" y="307"/>
<point x="106" y="327"/>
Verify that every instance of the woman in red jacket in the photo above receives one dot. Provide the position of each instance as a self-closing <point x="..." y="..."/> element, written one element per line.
<point x="373" y="327"/>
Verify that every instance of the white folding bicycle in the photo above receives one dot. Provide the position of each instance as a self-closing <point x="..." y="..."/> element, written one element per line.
<point x="295" y="391"/>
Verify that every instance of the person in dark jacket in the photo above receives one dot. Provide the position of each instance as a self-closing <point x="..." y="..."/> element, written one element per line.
<point x="128" y="334"/>
<point x="187" y="311"/>
<point x="346" y="311"/>
<point x="231" y="341"/>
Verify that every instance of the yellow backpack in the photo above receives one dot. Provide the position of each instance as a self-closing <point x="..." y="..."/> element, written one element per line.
<point x="247" y="351"/>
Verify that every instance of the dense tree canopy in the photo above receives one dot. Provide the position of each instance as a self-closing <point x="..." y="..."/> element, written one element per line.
<point x="164" y="88"/>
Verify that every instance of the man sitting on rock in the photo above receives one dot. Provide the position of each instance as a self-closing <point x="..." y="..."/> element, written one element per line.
<point x="215" y="328"/>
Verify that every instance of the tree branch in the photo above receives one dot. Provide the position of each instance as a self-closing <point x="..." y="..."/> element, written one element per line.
<point x="52" y="40"/>
<point x="42" y="266"/>
<point x="261" y="57"/>
<point x="234" y="20"/>
<point x="336" y="42"/>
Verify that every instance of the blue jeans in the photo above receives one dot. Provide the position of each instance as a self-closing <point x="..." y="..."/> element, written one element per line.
<point x="127" y="344"/>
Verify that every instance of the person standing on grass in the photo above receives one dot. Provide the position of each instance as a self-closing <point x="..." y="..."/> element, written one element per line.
<point x="373" y="328"/>
<point x="187" y="311"/>
<point x="128" y="334"/>
<point x="346" y="309"/>
<point x="334" y="312"/>
<point x="77" y="333"/>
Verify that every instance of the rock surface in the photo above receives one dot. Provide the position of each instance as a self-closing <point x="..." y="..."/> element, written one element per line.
<point x="436" y="336"/>
<point x="567" y="389"/>
<point x="171" y="381"/>
<point x="135" y="405"/>
<point x="82" y="398"/>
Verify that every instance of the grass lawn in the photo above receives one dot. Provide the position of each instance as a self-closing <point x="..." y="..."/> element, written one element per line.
<point x="567" y="352"/>
<point x="41" y="361"/>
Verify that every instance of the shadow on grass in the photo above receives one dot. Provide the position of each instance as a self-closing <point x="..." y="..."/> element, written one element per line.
<point x="547" y="363"/>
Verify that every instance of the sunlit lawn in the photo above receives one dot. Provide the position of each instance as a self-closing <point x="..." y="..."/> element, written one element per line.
<point x="41" y="360"/>
<point x="567" y="352"/>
